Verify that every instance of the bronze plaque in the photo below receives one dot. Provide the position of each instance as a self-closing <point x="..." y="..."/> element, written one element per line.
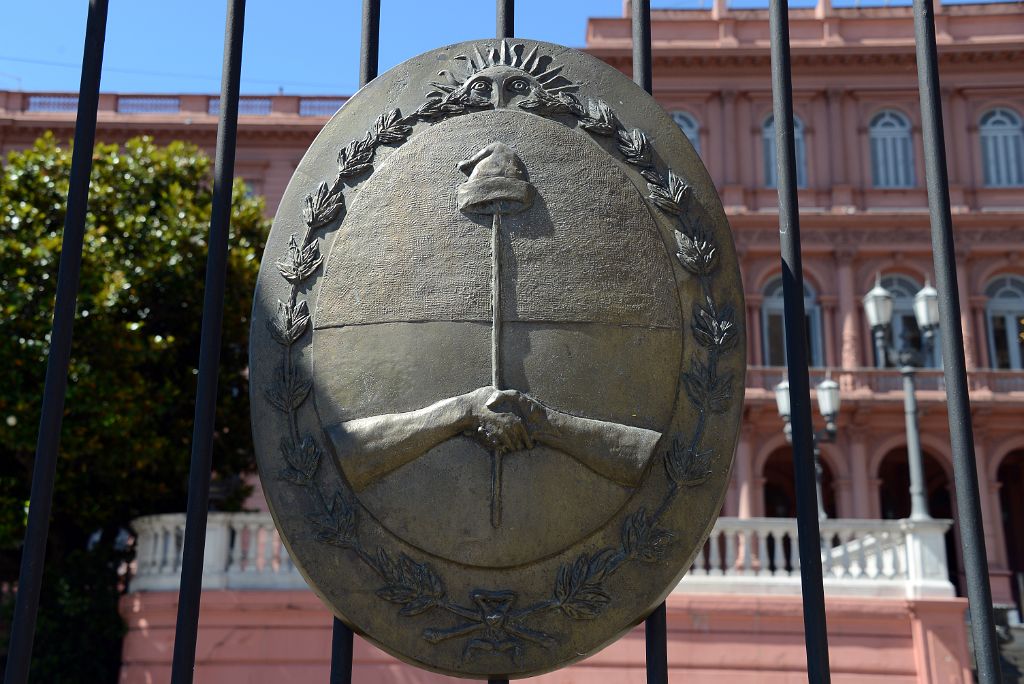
<point x="497" y="359"/>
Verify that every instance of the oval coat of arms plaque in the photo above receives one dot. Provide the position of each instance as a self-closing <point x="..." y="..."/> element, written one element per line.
<point x="497" y="359"/>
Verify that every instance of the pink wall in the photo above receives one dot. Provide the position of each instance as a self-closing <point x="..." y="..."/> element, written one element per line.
<point x="282" y="637"/>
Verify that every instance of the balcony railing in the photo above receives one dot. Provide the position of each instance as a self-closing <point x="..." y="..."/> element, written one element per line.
<point x="185" y="106"/>
<point x="889" y="381"/>
<point x="243" y="551"/>
<point x="878" y="558"/>
<point x="883" y="558"/>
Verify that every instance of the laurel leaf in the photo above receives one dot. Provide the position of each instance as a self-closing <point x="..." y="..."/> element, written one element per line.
<point x="389" y="129"/>
<point x="635" y="147"/>
<point x="290" y="322"/>
<point x="324" y="206"/>
<point x="300" y="261"/>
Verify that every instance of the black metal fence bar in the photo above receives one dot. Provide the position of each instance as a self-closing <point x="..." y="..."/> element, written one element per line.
<point x="655" y="630"/>
<point x="190" y="591"/>
<point x="342" y="638"/>
<point x="506" y="18"/>
<point x="656" y="644"/>
<point x="641" y="10"/>
<point x="961" y="433"/>
<point x="369" y="47"/>
<point x="342" y="644"/>
<point x="44" y="470"/>
<point x="815" y="636"/>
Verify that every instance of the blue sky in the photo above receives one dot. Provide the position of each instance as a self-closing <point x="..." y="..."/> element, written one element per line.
<point x="299" y="47"/>
<point x="302" y="46"/>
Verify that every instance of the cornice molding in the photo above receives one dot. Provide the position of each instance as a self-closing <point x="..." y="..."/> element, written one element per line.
<point x="197" y="132"/>
<point x="714" y="56"/>
<point x="845" y="241"/>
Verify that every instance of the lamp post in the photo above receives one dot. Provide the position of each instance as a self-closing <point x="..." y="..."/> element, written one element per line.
<point x="828" y="405"/>
<point x="879" y="309"/>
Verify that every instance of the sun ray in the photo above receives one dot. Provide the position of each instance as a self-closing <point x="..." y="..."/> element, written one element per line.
<point x="511" y="55"/>
<point x="531" y="56"/>
<point x="482" y="63"/>
<point x="548" y="75"/>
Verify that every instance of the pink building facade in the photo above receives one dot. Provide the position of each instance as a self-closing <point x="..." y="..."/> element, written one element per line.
<point x="864" y="216"/>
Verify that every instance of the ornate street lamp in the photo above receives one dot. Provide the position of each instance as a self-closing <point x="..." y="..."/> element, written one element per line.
<point x="828" y="405"/>
<point x="878" y="309"/>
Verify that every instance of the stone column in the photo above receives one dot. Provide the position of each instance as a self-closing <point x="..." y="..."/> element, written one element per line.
<point x="874" y="498"/>
<point x="828" y="310"/>
<point x="754" y="330"/>
<point x="859" y="483"/>
<point x="848" y="321"/>
<point x="836" y="136"/>
<point x="853" y="126"/>
<point x="992" y="522"/>
<point x="962" y="274"/>
<point x="757" y="509"/>
<point x="981" y="330"/>
<point x="732" y="192"/>
<point x="844" y="500"/>
<point x="958" y="122"/>
<point x="993" y="542"/>
<point x="729" y="152"/>
<point x="748" y="139"/>
<point x="742" y="474"/>
<point x="714" y="133"/>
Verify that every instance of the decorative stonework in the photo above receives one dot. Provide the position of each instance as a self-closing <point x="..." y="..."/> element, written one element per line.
<point x="498" y="620"/>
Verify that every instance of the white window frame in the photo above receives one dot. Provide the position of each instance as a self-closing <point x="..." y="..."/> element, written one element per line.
<point x="770" y="158"/>
<point x="1005" y="300"/>
<point x="892" y="150"/>
<point x="1002" y="148"/>
<point x="689" y="125"/>
<point x="773" y="304"/>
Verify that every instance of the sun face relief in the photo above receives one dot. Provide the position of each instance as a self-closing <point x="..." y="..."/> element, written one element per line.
<point x="494" y="359"/>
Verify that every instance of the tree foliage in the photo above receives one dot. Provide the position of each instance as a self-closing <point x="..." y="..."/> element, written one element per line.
<point x="128" y="415"/>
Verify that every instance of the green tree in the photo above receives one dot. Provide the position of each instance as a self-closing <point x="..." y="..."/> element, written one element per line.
<point x="128" y="415"/>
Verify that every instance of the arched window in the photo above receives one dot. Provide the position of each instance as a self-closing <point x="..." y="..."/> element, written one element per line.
<point x="1005" y="313"/>
<point x="773" y="329"/>
<point x="688" y="124"/>
<point x="904" y="331"/>
<point x="768" y="135"/>
<point x="1002" y="148"/>
<point x="892" y="151"/>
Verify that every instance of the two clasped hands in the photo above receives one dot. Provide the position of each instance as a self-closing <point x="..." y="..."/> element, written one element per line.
<point x="502" y="421"/>
<point x="508" y="420"/>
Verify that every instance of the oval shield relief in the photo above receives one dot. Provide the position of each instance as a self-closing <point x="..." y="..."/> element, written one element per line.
<point x="496" y="362"/>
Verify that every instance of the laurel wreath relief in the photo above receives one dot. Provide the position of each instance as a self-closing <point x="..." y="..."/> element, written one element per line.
<point x="494" y="623"/>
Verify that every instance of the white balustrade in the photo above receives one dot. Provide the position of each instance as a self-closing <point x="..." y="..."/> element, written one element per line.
<point x="243" y="551"/>
<point x="879" y="558"/>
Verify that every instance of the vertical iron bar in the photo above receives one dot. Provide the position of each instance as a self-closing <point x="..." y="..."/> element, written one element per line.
<point x="341" y="654"/>
<point x="342" y="639"/>
<point x="809" y="536"/>
<point x="642" y="44"/>
<point x="654" y="627"/>
<point x="369" y="49"/>
<point x="191" y="588"/>
<point x="506" y="18"/>
<point x="44" y="470"/>
<point x="961" y="433"/>
<point x="656" y="636"/>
